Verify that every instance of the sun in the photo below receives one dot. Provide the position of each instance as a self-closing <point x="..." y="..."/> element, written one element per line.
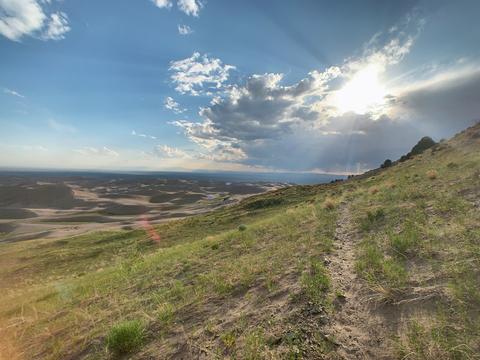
<point x="362" y="93"/>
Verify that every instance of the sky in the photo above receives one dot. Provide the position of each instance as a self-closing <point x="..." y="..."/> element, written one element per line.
<point x="254" y="85"/>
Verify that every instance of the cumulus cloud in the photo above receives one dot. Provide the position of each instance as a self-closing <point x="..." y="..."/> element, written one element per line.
<point x="190" y="7"/>
<point x="21" y="18"/>
<point x="343" y="119"/>
<point x="13" y="93"/>
<point x="184" y="30"/>
<point x="163" y="3"/>
<point x="171" y="104"/>
<point x="199" y="74"/>
<point x="92" y="151"/>
<point x="261" y="109"/>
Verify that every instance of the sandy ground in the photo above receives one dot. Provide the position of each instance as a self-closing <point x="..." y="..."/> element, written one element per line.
<point x="55" y="208"/>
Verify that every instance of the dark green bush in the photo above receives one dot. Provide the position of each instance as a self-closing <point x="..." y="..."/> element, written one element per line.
<point x="387" y="163"/>
<point x="264" y="203"/>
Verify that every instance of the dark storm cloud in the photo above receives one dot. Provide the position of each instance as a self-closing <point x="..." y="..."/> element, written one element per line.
<point x="348" y="140"/>
<point x="266" y="124"/>
<point x="305" y="127"/>
<point x="445" y="107"/>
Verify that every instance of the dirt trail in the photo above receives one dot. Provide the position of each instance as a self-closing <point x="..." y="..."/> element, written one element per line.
<point x="354" y="326"/>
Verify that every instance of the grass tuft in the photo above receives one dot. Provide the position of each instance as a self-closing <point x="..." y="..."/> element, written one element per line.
<point x="432" y="174"/>
<point x="316" y="282"/>
<point x="329" y="204"/>
<point x="405" y="242"/>
<point x="386" y="276"/>
<point x="125" y="337"/>
<point x="372" y="219"/>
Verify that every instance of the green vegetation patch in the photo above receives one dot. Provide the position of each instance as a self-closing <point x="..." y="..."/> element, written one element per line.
<point x="125" y="337"/>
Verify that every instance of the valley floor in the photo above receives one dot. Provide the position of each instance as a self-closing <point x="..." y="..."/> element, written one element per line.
<point x="385" y="266"/>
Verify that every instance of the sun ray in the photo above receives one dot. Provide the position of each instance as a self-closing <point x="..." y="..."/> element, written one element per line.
<point x="362" y="93"/>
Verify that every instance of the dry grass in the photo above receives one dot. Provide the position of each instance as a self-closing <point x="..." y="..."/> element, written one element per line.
<point x="329" y="204"/>
<point x="432" y="174"/>
<point x="257" y="261"/>
<point x="390" y="185"/>
<point x="253" y="251"/>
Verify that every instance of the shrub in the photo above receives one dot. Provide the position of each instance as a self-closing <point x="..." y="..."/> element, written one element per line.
<point x="329" y="204"/>
<point x="263" y="203"/>
<point x="387" y="163"/>
<point x="432" y="174"/>
<point x="125" y="337"/>
<point x="424" y="144"/>
<point x="242" y="227"/>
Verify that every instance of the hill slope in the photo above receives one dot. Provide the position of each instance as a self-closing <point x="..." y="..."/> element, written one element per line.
<point x="386" y="266"/>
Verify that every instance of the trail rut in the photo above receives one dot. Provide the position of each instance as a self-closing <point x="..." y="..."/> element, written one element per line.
<point x="354" y="326"/>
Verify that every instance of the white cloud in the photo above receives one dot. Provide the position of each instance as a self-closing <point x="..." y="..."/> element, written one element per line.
<point x="57" y="27"/>
<point x="92" y="151"/>
<point x="60" y="127"/>
<point x="19" y="18"/>
<point x="184" y="29"/>
<point x="303" y="125"/>
<point x="163" y="3"/>
<point x="13" y="93"/>
<point x="171" y="104"/>
<point x="199" y="74"/>
<point x="190" y="7"/>
<point x="134" y="133"/>
<point x="260" y="110"/>
<point x="165" y="151"/>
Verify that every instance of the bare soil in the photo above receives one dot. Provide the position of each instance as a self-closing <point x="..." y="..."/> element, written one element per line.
<point x="357" y="325"/>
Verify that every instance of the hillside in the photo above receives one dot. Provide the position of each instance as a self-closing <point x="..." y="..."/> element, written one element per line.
<point x="386" y="266"/>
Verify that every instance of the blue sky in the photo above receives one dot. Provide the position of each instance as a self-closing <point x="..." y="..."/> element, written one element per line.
<point x="308" y="86"/>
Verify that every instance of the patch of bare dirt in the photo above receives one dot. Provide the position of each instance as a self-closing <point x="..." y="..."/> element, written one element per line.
<point x="356" y="327"/>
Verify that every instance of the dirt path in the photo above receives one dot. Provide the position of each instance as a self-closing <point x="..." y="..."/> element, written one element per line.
<point x="358" y="332"/>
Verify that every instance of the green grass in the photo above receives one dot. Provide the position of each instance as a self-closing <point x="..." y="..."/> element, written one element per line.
<point x="201" y="262"/>
<point x="236" y="282"/>
<point x="125" y="337"/>
<point x="406" y="242"/>
<point x="316" y="282"/>
<point x="426" y="239"/>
